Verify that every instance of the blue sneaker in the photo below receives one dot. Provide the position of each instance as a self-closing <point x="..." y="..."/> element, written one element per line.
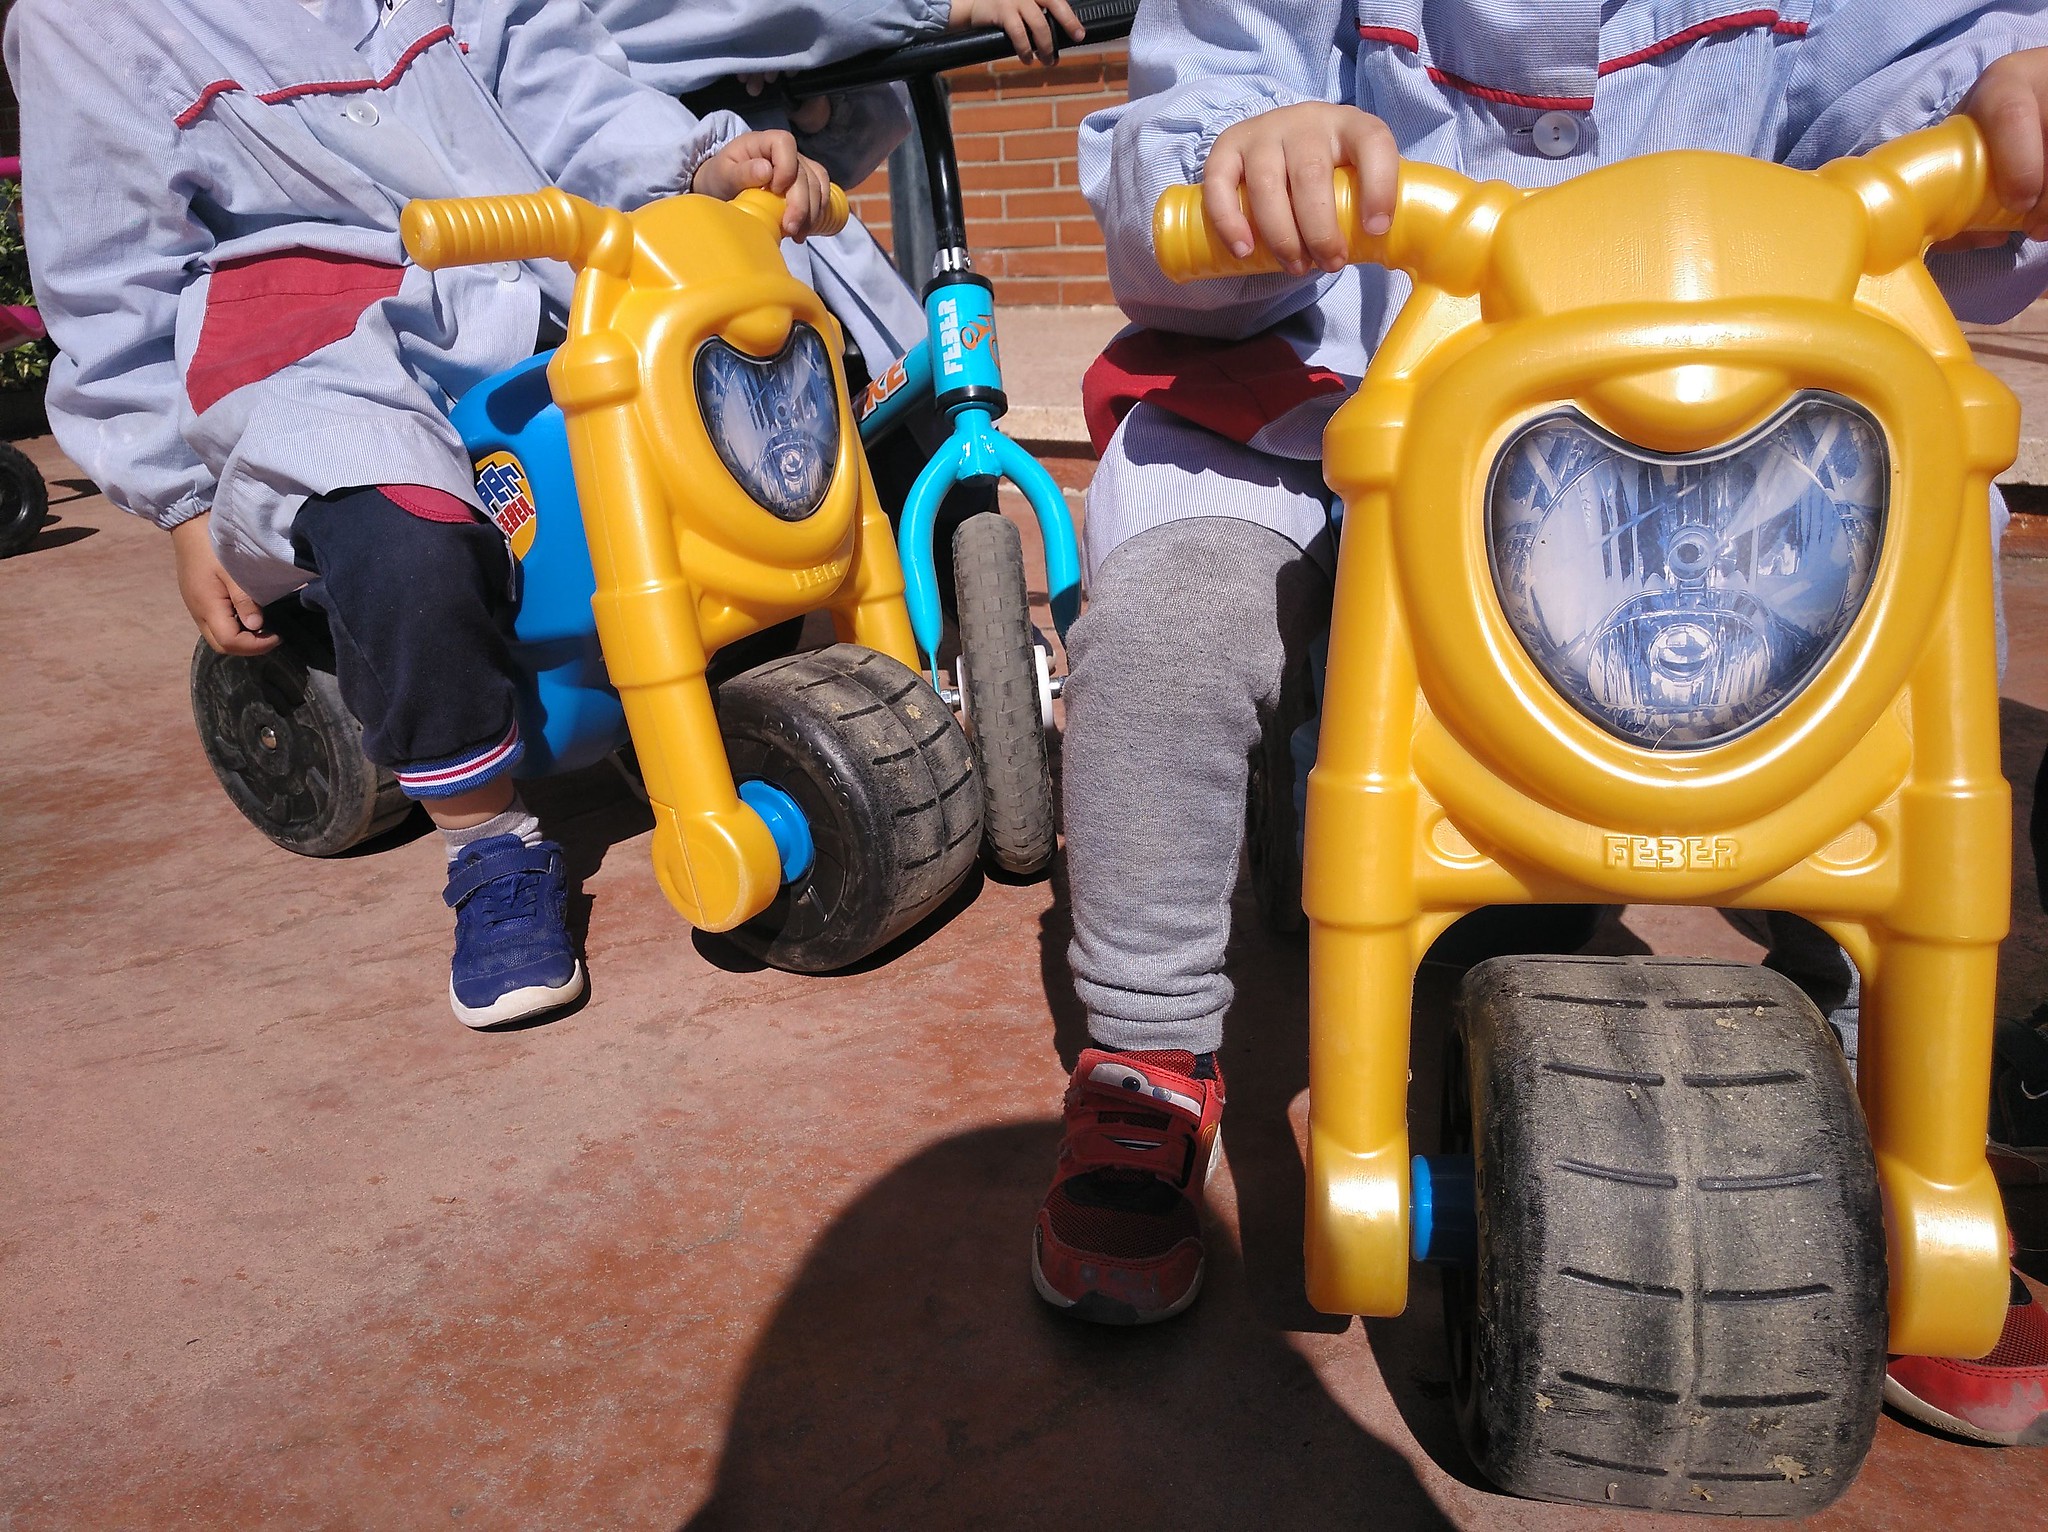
<point x="513" y="956"/>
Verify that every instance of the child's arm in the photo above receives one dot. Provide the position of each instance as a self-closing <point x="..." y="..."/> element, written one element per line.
<point x="111" y="239"/>
<point x="594" y="130"/>
<point x="1872" y="70"/>
<point x="1199" y="68"/>
<point x="111" y="235"/>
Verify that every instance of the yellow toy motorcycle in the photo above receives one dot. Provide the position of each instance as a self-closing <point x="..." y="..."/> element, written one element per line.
<point x="682" y="475"/>
<point x="1665" y="578"/>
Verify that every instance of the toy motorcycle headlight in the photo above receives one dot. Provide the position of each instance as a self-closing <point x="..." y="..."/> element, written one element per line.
<point x="774" y="420"/>
<point x="1679" y="600"/>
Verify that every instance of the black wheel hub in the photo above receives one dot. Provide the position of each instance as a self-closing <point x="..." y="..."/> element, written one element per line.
<point x="261" y="724"/>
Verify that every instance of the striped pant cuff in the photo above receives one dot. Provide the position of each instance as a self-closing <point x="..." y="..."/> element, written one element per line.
<point x="459" y="774"/>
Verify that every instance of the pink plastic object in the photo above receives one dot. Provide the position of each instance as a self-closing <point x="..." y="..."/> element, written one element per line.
<point x="19" y="324"/>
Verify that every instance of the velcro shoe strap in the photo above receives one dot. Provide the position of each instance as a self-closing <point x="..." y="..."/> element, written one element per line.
<point x="1109" y="1130"/>
<point x="472" y="876"/>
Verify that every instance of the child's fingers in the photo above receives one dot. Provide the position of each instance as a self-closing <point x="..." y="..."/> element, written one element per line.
<point x="1368" y="145"/>
<point x="808" y="199"/>
<point x="2007" y="109"/>
<point x="1012" y="23"/>
<point x="248" y="610"/>
<point x="1068" y="21"/>
<point x="1310" y="172"/>
<point x="780" y="151"/>
<point x="1272" y="203"/>
<point x="227" y="624"/>
<point x="1221" y="178"/>
<point x="1040" y="30"/>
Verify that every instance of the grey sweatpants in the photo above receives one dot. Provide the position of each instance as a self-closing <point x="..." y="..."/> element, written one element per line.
<point x="1190" y="628"/>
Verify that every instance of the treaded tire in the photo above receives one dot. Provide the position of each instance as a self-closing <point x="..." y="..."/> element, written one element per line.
<point x="24" y="500"/>
<point x="1680" y="1296"/>
<point x="885" y="779"/>
<point x="1020" y="828"/>
<point x="289" y="753"/>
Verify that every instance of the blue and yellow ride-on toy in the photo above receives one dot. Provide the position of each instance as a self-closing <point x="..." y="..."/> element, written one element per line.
<point x="680" y="478"/>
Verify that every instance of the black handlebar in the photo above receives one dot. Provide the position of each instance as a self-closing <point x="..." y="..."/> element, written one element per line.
<point x="1104" y="20"/>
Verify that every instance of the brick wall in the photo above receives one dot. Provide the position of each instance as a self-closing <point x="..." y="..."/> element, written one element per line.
<point x="1014" y="129"/>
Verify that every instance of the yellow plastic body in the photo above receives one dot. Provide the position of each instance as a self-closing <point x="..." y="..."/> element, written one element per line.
<point x="1678" y="300"/>
<point x="685" y="561"/>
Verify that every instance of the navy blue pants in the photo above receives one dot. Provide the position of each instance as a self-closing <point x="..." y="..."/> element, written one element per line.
<point x="420" y="613"/>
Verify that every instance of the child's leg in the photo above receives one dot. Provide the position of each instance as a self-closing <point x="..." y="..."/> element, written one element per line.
<point x="1190" y="629"/>
<point x="1201" y="598"/>
<point x="417" y="593"/>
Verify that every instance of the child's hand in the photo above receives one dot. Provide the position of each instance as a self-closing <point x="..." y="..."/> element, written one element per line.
<point x="768" y="159"/>
<point x="1284" y="158"/>
<point x="229" y="620"/>
<point x="1025" y="21"/>
<point x="2007" y="103"/>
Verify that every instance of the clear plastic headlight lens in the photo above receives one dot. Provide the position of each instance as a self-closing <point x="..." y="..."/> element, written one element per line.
<point x="774" y="420"/>
<point x="1677" y="601"/>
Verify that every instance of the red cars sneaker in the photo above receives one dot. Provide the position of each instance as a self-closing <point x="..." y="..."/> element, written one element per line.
<point x="2002" y="1399"/>
<point x="1119" y="1237"/>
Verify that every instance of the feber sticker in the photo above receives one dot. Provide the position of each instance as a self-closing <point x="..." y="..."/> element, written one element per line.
<point x="502" y="485"/>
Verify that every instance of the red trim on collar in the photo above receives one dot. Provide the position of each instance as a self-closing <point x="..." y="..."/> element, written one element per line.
<point x="1394" y="35"/>
<point x="190" y="115"/>
<point x="218" y="88"/>
<point x="1735" y="21"/>
<point x="1731" y="23"/>
<point x="1510" y="97"/>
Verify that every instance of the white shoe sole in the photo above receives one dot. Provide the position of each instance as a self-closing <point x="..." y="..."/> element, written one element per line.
<point x="1911" y="1405"/>
<point x="518" y="1004"/>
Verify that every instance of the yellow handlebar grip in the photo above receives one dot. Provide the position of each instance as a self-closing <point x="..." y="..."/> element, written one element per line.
<point x="548" y="225"/>
<point x="769" y="207"/>
<point x="837" y="211"/>
<point x="1440" y="232"/>
<point x="1190" y="249"/>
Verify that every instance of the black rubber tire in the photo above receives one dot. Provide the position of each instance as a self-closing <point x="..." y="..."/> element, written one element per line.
<point x="1679" y="1302"/>
<point x="1272" y="833"/>
<point x="1020" y="825"/>
<point x="887" y="782"/>
<point x="24" y="500"/>
<point x="289" y="753"/>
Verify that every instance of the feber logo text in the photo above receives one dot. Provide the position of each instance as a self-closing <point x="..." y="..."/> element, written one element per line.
<point x="1671" y="853"/>
<point x="949" y="335"/>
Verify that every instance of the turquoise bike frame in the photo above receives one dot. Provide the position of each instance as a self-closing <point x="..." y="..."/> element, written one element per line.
<point x="957" y="366"/>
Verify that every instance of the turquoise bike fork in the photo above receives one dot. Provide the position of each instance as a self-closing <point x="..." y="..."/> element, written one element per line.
<point x="958" y="368"/>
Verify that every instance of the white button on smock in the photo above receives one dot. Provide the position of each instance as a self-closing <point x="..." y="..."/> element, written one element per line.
<point x="1556" y="134"/>
<point x="362" y="113"/>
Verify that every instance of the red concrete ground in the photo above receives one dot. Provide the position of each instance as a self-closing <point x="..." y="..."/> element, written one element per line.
<point x="282" y="1244"/>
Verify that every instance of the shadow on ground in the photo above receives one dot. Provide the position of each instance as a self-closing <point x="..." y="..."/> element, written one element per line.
<point x="911" y="1377"/>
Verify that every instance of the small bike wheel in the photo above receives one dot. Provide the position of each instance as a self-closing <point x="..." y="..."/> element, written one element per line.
<point x="887" y="787"/>
<point x="24" y="500"/>
<point x="1679" y="1297"/>
<point x="999" y="684"/>
<point x="289" y="752"/>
